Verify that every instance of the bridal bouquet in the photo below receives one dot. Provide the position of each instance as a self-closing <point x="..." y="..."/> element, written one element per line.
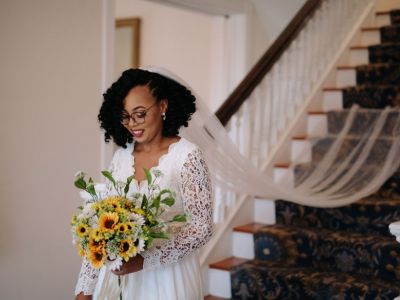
<point x="110" y="229"/>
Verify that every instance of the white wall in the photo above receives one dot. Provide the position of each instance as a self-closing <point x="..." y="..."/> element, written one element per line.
<point x="268" y="19"/>
<point x="180" y="40"/>
<point x="51" y="80"/>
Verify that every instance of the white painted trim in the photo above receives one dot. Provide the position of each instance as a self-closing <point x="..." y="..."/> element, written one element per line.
<point x="107" y="69"/>
<point x="219" y="282"/>
<point x="264" y="211"/>
<point x="243" y="245"/>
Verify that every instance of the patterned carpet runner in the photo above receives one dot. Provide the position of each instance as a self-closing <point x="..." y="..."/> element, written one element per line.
<point x="336" y="253"/>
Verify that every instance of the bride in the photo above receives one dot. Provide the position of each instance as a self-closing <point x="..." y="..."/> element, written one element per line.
<point x="142" y="113"/>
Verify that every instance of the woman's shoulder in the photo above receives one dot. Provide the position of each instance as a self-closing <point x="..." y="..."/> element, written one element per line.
<point x="187" y="147"/>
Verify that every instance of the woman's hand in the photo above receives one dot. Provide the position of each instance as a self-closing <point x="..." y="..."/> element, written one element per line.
<point x="81" y="296"/>
<point x="134" y="264"/>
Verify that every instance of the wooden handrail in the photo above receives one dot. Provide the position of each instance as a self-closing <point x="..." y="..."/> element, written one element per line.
<point x="266" y="62"/>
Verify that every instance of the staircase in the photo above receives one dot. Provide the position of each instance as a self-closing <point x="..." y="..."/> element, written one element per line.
<point x="335" y="253"/>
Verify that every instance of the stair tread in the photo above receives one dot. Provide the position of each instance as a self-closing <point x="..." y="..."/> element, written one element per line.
<point x="211" y="297"/>
<point x="228" y="263"/>
<point x="249" y="228"/>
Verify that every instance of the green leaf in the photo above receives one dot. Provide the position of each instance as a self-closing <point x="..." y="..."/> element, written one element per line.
<point x="128" y="182"/>
<point x="158" y="235"/>
<point x="148" y="176"/>
<point x="168" y="201"/>
<point x="91" y="190"/>
<point x="145" y="203"/>
<point x="179" y="218"/>
<point x="80" y="183"/>
<point x="108" y="175"/>
<point x="156" y="202"/>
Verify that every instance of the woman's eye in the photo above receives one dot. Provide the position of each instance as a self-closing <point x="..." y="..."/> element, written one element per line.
<point x="141" y="114"/>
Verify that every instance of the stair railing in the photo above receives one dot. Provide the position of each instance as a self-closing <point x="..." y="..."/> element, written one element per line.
<point x="269" y="101"/>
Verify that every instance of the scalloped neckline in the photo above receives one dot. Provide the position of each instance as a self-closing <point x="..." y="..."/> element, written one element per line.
<point x="160" y="160"/>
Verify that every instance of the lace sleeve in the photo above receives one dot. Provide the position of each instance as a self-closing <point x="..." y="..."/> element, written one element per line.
<point x="88" y="275"/>
<point x="87" y="279"/>
<point x="195" y="188"/>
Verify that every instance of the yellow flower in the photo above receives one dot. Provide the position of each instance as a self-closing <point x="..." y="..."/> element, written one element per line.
<point x="82" y="230"/>
<point x="108" y="221"/>
<point x="97" y="257"/>
<point x="96" y="206"/>
<point x="114" y="202"/>
<point x="127" y="249"/>
<point x="130" y="226"/>
<point x="123" y="227"/>
<point x="81" y="252"/>
<point x="96" y="235"/>
<point x="149" y="217"/>
<point x="95" y="245"/>
<point x="127" y="204"/>
<point x="74" y="220"/>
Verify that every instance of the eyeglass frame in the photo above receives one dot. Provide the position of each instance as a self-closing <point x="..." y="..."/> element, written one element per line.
<point x="131" y="115"/>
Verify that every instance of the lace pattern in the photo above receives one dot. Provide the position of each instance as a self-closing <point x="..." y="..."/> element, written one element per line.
<point x="195" y="188"/>
<point x="87" y="279"/>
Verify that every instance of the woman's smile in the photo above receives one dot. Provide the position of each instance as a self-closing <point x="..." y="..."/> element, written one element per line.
<point x="137" y="133"/>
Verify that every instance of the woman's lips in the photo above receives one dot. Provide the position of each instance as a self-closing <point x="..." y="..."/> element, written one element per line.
<point x="137" y="133"/>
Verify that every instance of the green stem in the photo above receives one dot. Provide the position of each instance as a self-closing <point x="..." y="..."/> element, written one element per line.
<point x="119" y="284"/>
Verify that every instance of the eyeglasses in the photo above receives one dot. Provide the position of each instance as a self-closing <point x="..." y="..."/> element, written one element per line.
<point x="137" y="117"/>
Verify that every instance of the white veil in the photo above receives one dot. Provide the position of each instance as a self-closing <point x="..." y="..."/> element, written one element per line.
<point x="354" y="165"/>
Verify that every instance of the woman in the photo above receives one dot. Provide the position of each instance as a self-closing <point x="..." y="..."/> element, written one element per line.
<point x="142" y="113"/>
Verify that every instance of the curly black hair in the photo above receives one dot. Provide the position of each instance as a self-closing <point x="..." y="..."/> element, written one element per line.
<point x="181" y="104"/>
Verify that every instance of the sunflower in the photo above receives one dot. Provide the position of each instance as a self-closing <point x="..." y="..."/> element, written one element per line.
<point x="123" y="227"/>
<point x="127" y="249"/>
<point x="130" y="226"/>
<point x="114" y="202"/>
<point x="96" y="235"/>
<point x="95" y="245"/>
<point x="97" y="257"/>
<point x="108" y="221"/>
<point x="82" y="230"/>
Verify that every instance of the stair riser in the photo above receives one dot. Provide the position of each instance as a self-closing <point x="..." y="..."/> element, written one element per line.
<point x="382" y="20"/>
<point x="317" y="125"/>
<point x="370" y="38"/>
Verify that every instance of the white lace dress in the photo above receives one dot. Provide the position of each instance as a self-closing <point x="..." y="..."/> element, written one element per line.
<point x="171" y="268"/>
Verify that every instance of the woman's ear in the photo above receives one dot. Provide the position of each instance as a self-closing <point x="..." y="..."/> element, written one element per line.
<point x="164" y="105"/>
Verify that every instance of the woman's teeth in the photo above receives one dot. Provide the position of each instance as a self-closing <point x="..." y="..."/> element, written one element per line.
<point x="137" y="133"/>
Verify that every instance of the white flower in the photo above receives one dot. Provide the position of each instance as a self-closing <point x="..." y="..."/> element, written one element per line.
<point x="93" y="221"/>
<point x="140" y="246"/>
<point x="137" y="219"/>
<point x="87" y="211"/>
<point x="114" y="264"/>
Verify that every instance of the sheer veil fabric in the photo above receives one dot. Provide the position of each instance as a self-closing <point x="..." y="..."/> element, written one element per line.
<point x="354" y="165"/>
